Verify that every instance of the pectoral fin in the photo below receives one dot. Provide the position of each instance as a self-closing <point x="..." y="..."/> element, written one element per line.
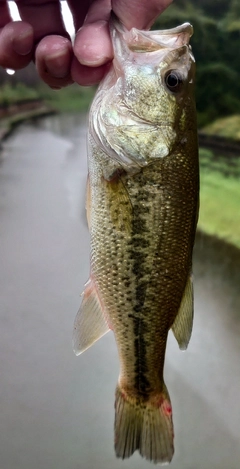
<point x="182" y="326"/>
<point x="90" y="323"/>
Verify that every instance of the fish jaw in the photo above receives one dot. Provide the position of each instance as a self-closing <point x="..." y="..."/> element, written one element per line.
<point x="127" y="41"/>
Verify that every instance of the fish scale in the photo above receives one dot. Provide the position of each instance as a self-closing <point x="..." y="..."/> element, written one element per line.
<point x="142" y="206"/>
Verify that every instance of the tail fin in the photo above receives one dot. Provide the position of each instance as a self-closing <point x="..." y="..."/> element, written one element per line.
<point x="144" y="425"/>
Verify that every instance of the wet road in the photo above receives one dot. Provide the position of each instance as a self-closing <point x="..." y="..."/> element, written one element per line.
<point x="56" y="409"/>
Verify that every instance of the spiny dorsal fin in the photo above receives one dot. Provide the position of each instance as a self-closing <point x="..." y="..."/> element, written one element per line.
<point x="182" y="326"/>
<point x="90" y="323"/>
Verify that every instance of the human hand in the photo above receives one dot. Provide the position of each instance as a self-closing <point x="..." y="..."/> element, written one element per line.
<point x="41" y="36"/>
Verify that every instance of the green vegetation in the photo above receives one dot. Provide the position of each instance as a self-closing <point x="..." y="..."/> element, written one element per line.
<point x="220" y="196"/>
<point x="227" y="127"/>
<point x="74" y="98"/>
<point x="10" y="94"/>
<point x="71" y="99"/>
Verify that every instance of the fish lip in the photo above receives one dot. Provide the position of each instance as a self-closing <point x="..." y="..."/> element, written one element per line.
<point x="156" y="39"/>
<point x="184" y="27"/>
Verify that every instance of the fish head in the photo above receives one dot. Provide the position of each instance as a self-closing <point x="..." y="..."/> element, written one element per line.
<point x="155" y="71"/>
<point x="145" y="104"/>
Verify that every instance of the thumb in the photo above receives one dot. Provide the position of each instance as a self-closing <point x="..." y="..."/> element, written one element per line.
<point x="140" y="14"/>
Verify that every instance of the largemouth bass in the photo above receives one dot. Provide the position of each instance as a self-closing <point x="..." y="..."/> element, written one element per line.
<point x="142" y="209"/>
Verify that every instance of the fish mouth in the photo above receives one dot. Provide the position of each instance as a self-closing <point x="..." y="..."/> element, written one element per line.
<point x="150" y="41"/>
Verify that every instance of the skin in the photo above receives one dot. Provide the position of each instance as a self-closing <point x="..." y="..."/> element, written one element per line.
<point x="41" y="36"/>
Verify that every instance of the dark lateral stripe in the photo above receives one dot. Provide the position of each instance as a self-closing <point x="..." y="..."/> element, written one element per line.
<point x="138" y="253"/>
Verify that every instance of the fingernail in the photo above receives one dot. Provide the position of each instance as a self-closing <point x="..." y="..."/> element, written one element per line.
<point x="90" y="56"/>
<point x="57" y="64"/>
<point x="96" y="62"/>
<point x="23" y="44"/>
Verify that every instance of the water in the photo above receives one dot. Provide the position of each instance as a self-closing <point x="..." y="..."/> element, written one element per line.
<point x="57" y="410"/>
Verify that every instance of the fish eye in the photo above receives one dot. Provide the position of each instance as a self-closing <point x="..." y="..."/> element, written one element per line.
<point x="173" y="81"/>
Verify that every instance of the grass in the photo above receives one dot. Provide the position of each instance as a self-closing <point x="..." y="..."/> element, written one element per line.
<point x="70" y="99"/>
<point x="220" y="196"/>
<point x="73" y="98"/>
<point x="10" y="94"/>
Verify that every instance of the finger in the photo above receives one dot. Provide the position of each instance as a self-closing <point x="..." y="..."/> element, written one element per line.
<point x="4" y="13"/>
<point x="92" y="45"/>
<point x="53" y="61"/>
<point x="79" y="10"/>
<point x="87" y="76"/>
<point x="139" y="14"/>
<point x="16" y="45"/>
<point x="17" y="40"/>
<point x="53" y="47"/>
<point x="44" y="16"/>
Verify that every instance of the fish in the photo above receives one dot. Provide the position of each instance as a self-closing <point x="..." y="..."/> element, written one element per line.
<point x="142" y="211"/>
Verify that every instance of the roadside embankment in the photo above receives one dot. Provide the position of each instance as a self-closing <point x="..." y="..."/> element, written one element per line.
<point x="219" y="179"/>
<point x="14" y="113"/>
<point x="20" y="103"/>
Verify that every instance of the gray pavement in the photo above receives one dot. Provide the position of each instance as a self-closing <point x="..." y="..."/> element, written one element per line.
<point x="57" y="410"/>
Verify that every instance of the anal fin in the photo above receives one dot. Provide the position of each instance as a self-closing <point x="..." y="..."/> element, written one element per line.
<point x="182" y="326"/>
<point x="90" y="323"/>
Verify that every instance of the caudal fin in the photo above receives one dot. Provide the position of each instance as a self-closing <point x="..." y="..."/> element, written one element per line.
<point x="145" y="426"/>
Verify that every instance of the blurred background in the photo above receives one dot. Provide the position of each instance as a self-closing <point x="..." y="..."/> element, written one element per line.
<point x="57" y="411"/>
